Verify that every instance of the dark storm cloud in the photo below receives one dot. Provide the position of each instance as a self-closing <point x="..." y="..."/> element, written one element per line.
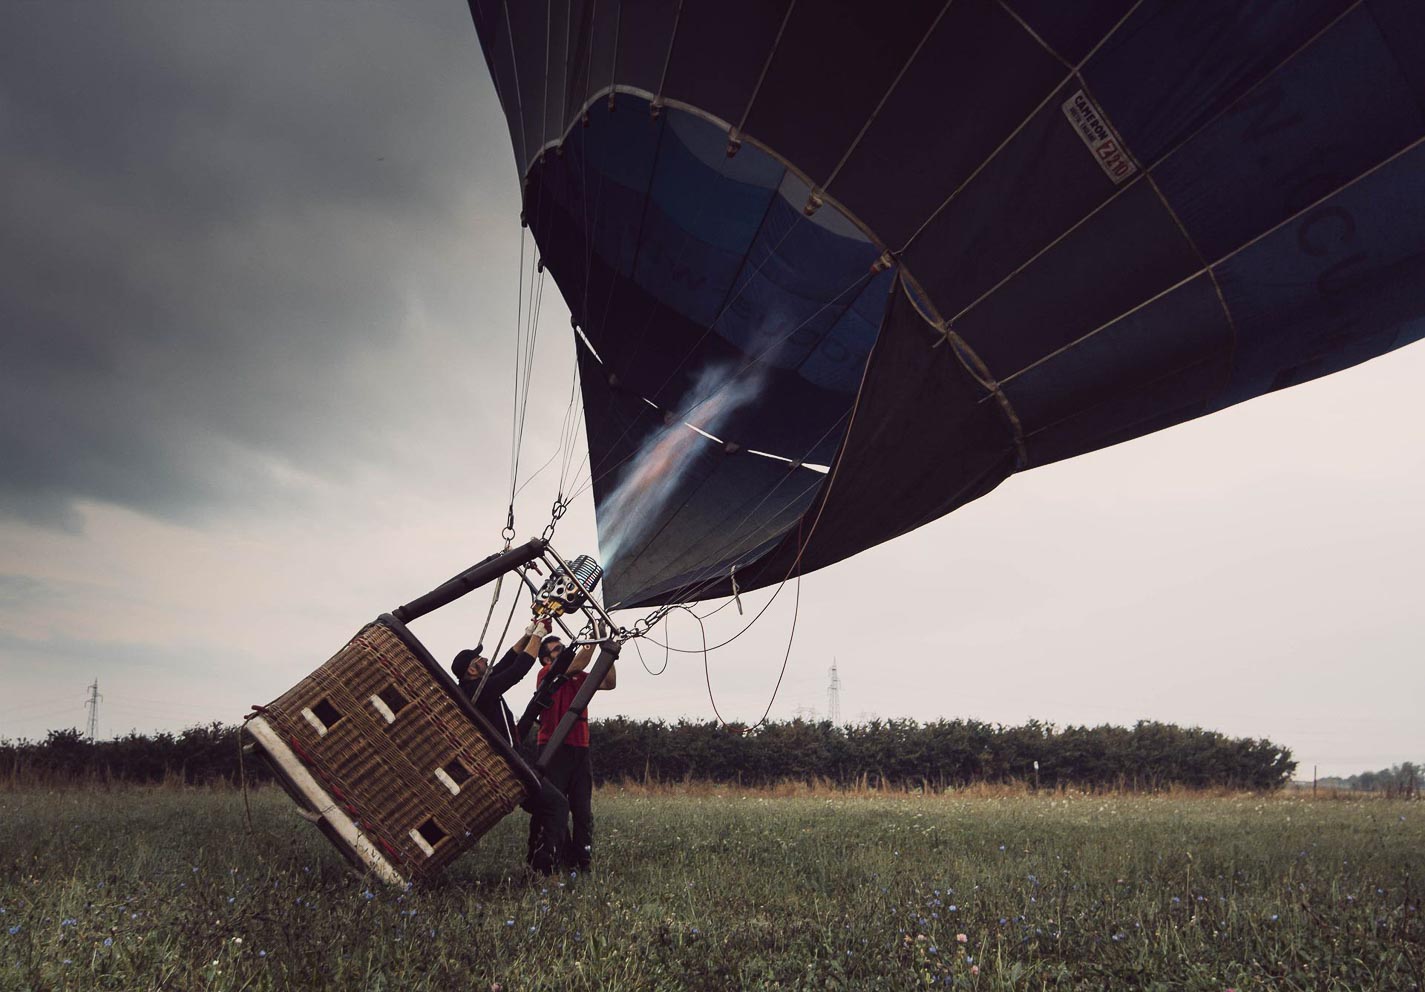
<point x="214" y="216"/>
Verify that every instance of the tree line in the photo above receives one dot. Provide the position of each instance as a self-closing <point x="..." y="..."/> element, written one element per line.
<point x="1402" y="780"/>
<point x="878" y="754"/>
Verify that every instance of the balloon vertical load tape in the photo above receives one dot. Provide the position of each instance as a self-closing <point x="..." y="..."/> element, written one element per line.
<point x="564" y="591"/>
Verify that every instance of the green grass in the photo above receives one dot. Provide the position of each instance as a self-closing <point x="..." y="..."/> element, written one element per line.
<point x="165" y="889"/>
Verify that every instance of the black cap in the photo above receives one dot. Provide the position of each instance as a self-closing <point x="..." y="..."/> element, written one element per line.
<point x="462" y="663"/>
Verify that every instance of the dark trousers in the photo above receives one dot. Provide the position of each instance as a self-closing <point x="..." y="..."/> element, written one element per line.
<point x="551" y="843"/>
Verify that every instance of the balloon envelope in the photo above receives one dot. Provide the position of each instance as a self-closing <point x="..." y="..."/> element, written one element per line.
<point x="840" y="268"/>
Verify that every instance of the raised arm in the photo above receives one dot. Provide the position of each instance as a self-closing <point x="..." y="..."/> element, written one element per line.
<point x="581" y="658"/>
<point x="581" y="662"/>
<point x="517" y="661"/>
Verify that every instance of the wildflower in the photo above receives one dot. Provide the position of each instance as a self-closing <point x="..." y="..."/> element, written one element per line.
<point x="496" y="987"/>
<point x="960" y="938"/>
<point x="974" y="969"/>
<point x="368" y="895"/>
<point x="15" y="929"/>
<point x="1274" y="917"/>
<point x="108" y="941"/>
<point x="68" y="961"/>
<point x="263" y="954"/>
<point x="237" y="940"/>
<point x="953" y="908"/>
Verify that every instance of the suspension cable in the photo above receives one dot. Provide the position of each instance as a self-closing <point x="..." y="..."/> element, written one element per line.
<point x="499" y="647"/>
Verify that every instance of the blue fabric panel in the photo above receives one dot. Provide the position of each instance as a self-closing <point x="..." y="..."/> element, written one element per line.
<point x="621" y="150"/>
<point x="1085" y="298"/>
<point x="1340" y="106"/>
<point x="1122" y="256"/>
<point x="926" y="439"/>
<point x="622" y="144"/>
<point x="978" y="76"/>
<point x="830" y="70"/>
<point x="1340" y="284"/>
<point x="1138" y="408"/>
<point x="661" y="353"/>
<point x="742" y="505"/>
<point x="720" y="506"/>
<point x="527" y="21"/>
<point x="695" y="231"/>
<point x="1044" y="180"/>
<point x="489" y="17"/>
<point x="776" y="327"/>
<point x="707" y="143"/>
<point x="1119" y="371"/>
<point x="1172" y="66"/>
<point x="645" y="33"/>
<point x="713" y="204"/>
<point x="839" y="356"/>
<point x="719" y="53"/>
<point x="681" y="271"/>
<point x="803" y="257"/>
<point x="1402" y="23"/>
<point x="1071" y="29"/>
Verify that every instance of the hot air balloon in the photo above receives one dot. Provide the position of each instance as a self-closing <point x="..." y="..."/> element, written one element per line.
<point x="839" y="268"/>
<point x="836" y="269"/>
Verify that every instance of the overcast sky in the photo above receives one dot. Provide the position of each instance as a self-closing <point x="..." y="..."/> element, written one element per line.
<point x="257" y="309"/>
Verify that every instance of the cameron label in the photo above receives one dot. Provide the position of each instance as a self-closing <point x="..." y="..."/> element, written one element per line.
<point x="1099" y="137"/>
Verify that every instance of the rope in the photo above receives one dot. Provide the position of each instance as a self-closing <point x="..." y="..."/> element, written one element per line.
<point x="499" y="649"/>
<point x="666" y="657"/>
<point x="786" y="657"/>
<point x="242" y="780"/>
<point x="514" y="411"/>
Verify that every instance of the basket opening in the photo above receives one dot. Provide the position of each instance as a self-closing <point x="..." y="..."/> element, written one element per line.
<point x="388" y="702"/>
<point x="431" y="831"/>
<point x="326" y="715"/>
<point x="393" y="698"/>
<point x="457" y="771"/>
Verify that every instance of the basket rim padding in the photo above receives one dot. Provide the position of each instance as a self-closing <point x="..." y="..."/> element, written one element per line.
<point x="522" y="770"/>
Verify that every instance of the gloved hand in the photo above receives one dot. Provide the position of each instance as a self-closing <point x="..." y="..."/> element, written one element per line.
<point x="538" y="627"/>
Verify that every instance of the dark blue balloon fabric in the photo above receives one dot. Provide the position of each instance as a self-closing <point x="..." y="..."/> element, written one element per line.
<point x="839" y="268"/>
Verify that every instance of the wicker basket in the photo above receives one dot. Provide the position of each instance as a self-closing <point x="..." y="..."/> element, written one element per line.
<point x="395" y="765"/>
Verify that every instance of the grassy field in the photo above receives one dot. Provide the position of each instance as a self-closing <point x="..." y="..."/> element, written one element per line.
<point x="165" y="889"/>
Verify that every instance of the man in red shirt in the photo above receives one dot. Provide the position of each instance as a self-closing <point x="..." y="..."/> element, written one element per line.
<point x="570" y="771"/>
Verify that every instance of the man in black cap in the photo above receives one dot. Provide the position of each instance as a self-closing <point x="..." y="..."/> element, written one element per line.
<point x="489" y="697"/>
<point x="546" y="850"/>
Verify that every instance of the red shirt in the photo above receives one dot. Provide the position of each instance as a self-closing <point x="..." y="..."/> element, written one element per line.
<point x="559" y="705"/>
